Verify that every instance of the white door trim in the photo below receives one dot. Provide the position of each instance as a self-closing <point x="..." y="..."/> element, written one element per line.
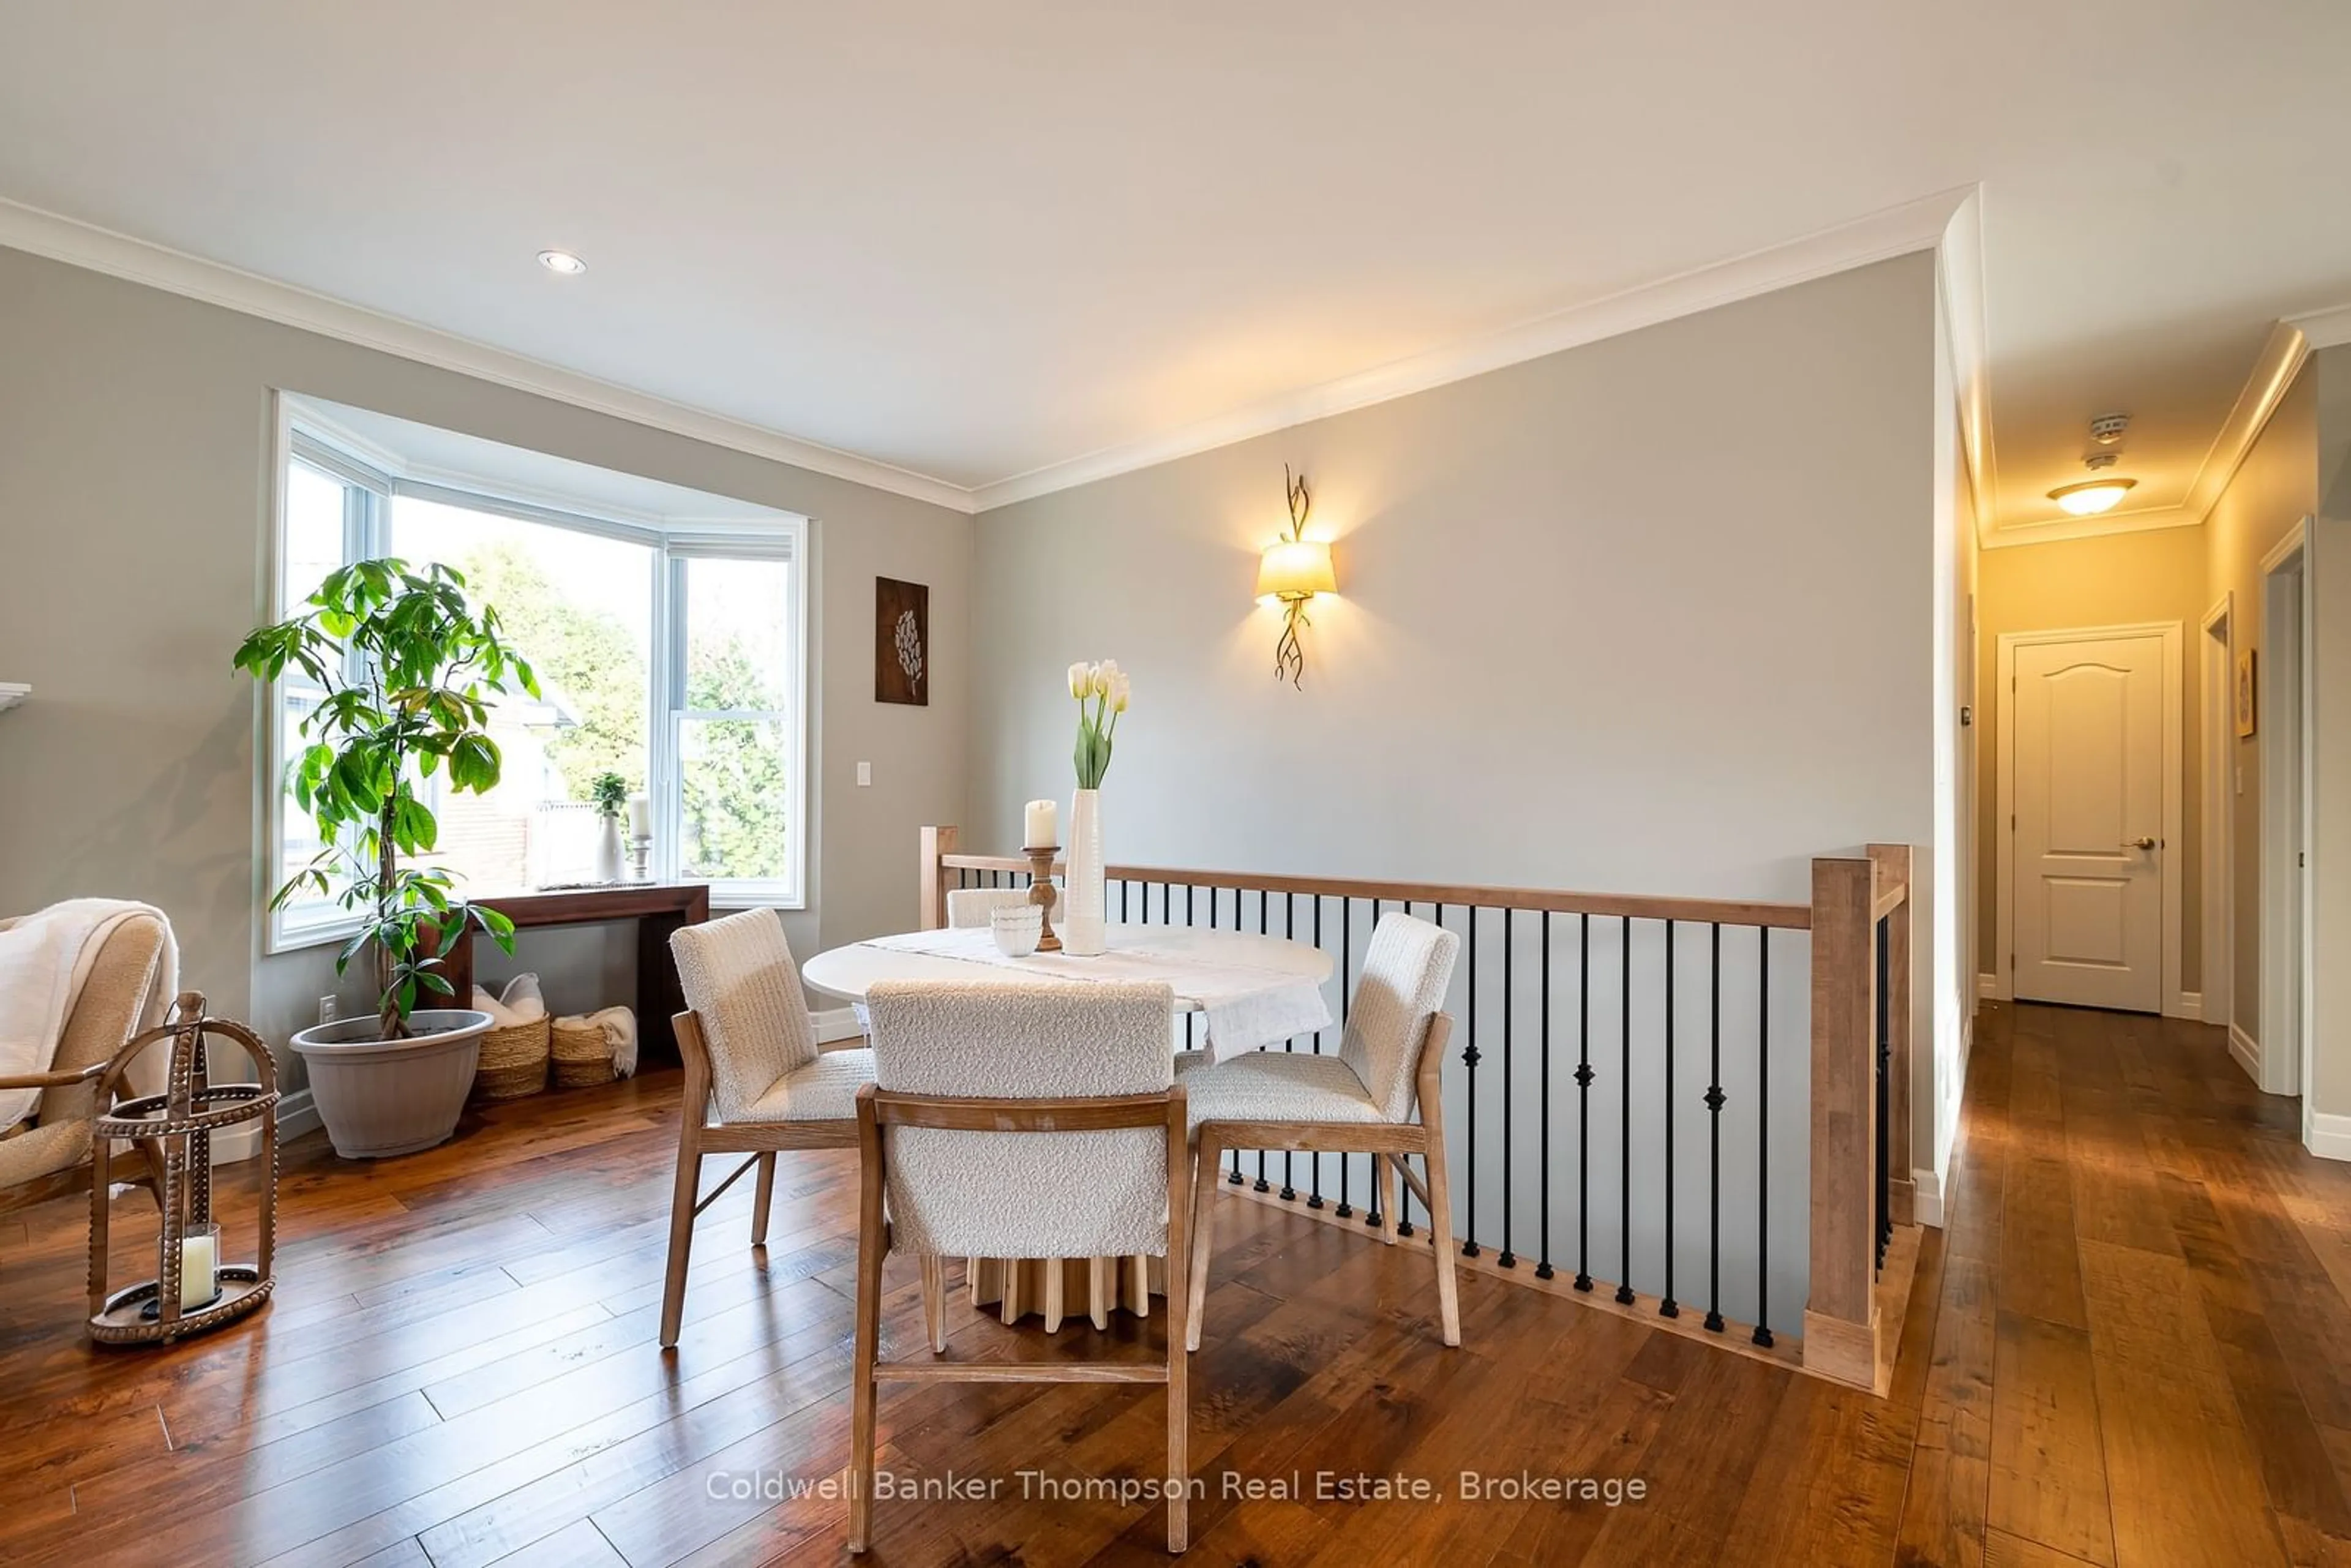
<point x="2217" y="982"/>
<point x="2286" y="958"/>
<point x="2175" y="1005"/>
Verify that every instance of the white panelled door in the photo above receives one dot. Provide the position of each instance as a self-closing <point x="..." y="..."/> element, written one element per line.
<point x="2089" y="737"/>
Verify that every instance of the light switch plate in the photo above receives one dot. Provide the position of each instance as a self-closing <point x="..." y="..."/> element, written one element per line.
<point x="865" y="774"/>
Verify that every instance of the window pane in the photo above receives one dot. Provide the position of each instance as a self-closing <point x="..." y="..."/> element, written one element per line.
<point x="737" y="626"/>
<point x="578" y="608"/>
<point x="314" y="530"/>
<point x="733" y="776"/>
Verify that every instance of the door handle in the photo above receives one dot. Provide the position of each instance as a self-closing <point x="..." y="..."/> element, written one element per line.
<point x="2141" y="844"/>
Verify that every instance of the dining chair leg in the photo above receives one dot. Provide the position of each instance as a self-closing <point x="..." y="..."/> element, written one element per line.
<point x="1204" y="1209"/>
<point x="762" y="1199"/>
<point x="872" y="1245"/>
<point x="1440" y="1230"/>
<point x="1182" y="1332"/>
<point x="935" y="1302"/>
<point x="681" y="1229"/>
<point x="1385" y="1189"/>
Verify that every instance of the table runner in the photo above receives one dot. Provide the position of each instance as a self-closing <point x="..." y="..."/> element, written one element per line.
<point x="1246" y="1004"/>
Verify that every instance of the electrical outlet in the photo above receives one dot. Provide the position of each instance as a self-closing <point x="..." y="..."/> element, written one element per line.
<point x="865" y="774"/>
<point x="329" y="1009"/>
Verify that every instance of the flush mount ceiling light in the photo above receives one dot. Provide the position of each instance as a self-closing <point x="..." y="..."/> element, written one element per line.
<point x="562" y="262"/>
<point x="2091" y="495"/>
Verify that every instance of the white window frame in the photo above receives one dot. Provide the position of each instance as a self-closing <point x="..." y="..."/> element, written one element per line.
<point x="379" y="478"/>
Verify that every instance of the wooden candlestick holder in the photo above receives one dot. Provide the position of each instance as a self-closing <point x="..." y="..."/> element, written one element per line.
<point x="1041" y="894"/>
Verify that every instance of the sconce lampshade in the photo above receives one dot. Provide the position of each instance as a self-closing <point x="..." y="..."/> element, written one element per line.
<point x="1295" y="569"/>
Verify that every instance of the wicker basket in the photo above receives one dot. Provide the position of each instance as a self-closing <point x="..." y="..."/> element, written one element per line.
<point x="582" y="1053"/>
<point x="513" y="1062"/>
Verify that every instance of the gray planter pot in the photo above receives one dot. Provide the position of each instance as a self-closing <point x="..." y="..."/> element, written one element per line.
<point x="381" y="1097"/>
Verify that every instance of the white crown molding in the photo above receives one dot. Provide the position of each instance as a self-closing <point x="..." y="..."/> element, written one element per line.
<point x="2324" y="329"/>
<point x="139" y="261"/>
<point x="1898" y="231"/>
<point x="1968" y="336"/>
<point x="2280" y="360"/>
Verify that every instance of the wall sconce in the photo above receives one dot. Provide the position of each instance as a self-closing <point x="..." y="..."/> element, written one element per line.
<point x="1294" y="570"/>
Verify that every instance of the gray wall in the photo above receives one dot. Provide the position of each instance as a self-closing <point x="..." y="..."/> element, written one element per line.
<point x="2276" y="487"/>
<point x="1647" y="615"/>
<point x="134" y="476"/>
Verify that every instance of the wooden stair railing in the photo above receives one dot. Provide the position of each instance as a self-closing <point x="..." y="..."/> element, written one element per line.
<point x="1593" y="1073"/>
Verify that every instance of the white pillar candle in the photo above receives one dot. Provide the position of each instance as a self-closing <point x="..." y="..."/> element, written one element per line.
<point x="1042" y="825"/>
<point x="199" y="1266"/>
<point x="641" y="817"/>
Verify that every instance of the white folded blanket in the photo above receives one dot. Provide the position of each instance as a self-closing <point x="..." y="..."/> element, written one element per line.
<point x="45" y="956"/>
<point x="519" y="1003"/>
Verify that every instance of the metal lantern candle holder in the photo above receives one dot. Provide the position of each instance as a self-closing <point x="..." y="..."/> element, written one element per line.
<point x="175" y="1130"/>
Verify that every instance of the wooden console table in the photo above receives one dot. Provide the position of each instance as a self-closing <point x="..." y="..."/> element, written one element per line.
<point x="658" y="908"/>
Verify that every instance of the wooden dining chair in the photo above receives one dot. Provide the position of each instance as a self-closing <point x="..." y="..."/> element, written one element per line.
<point x="755" y="1081"/>
<point x="1358" y="1102"/>
<point x="1019" y="1120"/>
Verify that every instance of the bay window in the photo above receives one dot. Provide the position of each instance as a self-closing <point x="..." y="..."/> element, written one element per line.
<point x="672" y="654"/>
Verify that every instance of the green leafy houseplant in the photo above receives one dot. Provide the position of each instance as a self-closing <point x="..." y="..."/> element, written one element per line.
<point x="610" y="793"/>
<point x="408" y="668"/>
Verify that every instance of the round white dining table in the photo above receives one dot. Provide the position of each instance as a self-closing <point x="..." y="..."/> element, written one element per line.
<point x="1207" y="969"/>
<point x="1254" y="990"/>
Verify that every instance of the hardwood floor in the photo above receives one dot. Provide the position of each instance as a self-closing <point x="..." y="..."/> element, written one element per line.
<point x="2131" y="1347"/>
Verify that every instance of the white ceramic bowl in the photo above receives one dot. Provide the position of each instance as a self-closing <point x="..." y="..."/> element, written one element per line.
<point x="1016" y="928"/>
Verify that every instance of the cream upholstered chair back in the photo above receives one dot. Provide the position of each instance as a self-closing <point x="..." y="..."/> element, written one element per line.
<point x="105" y="1014"/>
<point x="739" y="977"/>
<point x="1024" y="1195"/>
<point x="970" y="906"/>
<point x="1406" y="973"/>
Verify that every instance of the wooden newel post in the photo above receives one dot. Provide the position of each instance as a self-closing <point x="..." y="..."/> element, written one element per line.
<point x="1841" y="1317"/>
<point x="937" y="843"/>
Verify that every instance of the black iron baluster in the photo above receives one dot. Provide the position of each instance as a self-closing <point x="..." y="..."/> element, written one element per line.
<point x="1714" y="1103"/>
<point x="1625" y="1140"/>
<point x="1506" y="1258"/>
<point x="1667" y="1306"/>
<point x="1373" y="1216"/>
<point x="1469" y="1087"/>
<point x="1542" y="1264"/>
<point x="1762" y="1335"/>
<point x="1404" y="1190"/>
<point x="1289" y="932"/>
<point x="1314" y="1160"/>
<point x="1583" y="1102"/>
<point x="1347" y="958"/>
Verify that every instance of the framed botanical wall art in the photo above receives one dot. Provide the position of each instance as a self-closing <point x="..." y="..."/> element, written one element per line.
<point x="2245" y="710"/>
<point x="901" y="641"/>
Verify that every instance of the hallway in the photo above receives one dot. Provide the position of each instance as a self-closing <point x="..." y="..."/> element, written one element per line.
<point x="2142" y="1349"/>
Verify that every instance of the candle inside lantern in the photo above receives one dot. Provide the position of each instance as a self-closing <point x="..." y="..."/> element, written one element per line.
<point x="199" y="1266"/>
<point x="1042" y="825"/>
<point x="641" y="817"/>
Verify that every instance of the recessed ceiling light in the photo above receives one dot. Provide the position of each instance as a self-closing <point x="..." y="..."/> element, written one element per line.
<point x="562" y="261"/>
<point x="2091" y="495"/>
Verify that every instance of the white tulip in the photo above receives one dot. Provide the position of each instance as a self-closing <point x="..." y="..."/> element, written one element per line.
<point x="1118" y="693"/>
<point x="1080" y="681"/>
<point x="1095" y="685"/>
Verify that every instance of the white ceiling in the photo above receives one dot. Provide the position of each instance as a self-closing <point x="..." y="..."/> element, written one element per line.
<point x="977" y="242"/>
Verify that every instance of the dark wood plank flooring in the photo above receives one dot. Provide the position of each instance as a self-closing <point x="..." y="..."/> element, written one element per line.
<point x="2131" y="1347"/>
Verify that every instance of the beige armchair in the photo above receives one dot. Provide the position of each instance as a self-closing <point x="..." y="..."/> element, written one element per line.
<point x="47" y="1155"/>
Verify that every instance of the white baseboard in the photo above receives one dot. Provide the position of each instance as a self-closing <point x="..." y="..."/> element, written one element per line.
<point x="2246" y="1051"/>
<point x="2191" y="1005"/>
<point x="2325" y="1135"/>
<point x="297" y="1114"/>
<point x="1927" y="1198"/>
<point x="1987" y="988"/>
<point x="836" y="1024"/>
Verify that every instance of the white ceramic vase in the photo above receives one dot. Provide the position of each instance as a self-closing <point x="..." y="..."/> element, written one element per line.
<point x="1080" y="922"/>
<point x="607" y="849"/>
